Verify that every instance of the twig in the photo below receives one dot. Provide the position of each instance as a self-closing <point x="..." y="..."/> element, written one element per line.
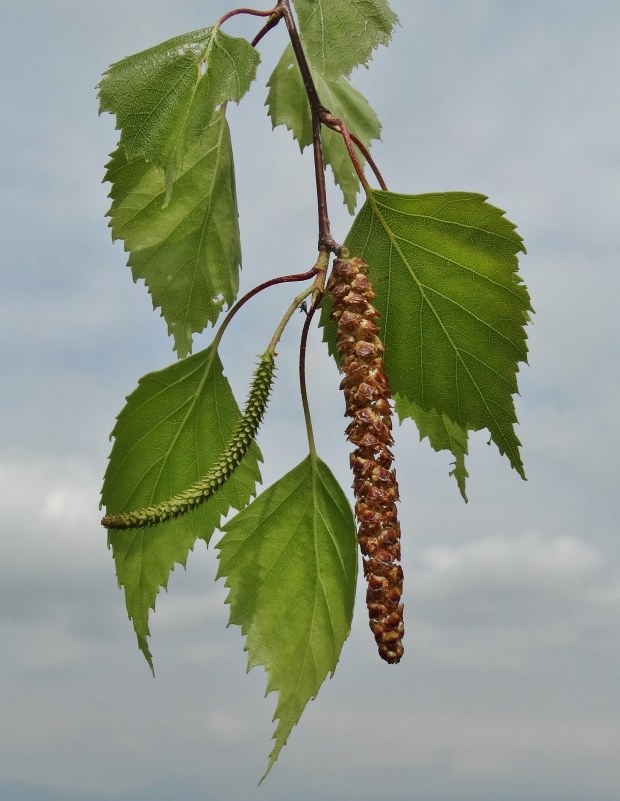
<point x="282" y="279"/>
<point x="369" y="160"/>
<point x="350" y="139"/>
<point x="326" y="241"/>
<point x="302" y="370"/>
<point x="254" y="12"/>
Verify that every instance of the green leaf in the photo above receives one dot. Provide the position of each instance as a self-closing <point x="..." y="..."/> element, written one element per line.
<point x="220" y="472"/>
<point x="340" y="34"/>
<point x="443" y="435"/>
<point x="188" y="252"/>
<point x="164" y="97"/>
<point x="453" y="307"/>
<point x="288" y="105"/>
<point x="172" y="429"/>
<point x="290" y="561"/>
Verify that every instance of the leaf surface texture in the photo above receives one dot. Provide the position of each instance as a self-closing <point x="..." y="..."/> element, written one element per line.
<point x="453" y="308"/>
<point x="188" y="250"/>
<point x="164" y="97"/>
<point x="288" y="105"/>
<point x="338" y="35"/>
<point x="290" y="563"/>
<point x="172" y="429"/>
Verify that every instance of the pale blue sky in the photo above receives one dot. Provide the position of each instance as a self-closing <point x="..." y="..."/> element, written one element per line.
<point x="509" y="689"/>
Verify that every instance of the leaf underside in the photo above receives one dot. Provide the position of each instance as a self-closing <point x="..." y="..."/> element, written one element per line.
<point x="164" y="97"/>
<point x="290" y="562"/>
<point x="187" y="251"/>
<point x="339" y="35"/>
<point x="453" y="309"/>
<point x="443" y="435"/>
<point x="287" y="105"/>
<point x="172" y="429"/>
<point x="173" y="184"/>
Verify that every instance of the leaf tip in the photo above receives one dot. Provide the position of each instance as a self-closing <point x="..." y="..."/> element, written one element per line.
<point x="146" y="653"/>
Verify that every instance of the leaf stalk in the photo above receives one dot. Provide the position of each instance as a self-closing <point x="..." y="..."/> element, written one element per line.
<point x="281" y="279"/>
<point x="302" y="373"/>
<point x="254" y="12"/>
<point x="318" y="291"/>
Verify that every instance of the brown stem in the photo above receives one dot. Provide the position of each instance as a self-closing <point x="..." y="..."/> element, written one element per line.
<point x="344" y="131"/>
<point x="271" y="23"/>
<point x="369" y="160"/>
<point x="350" y="139"/>
<point x="302" y="61"/>
<point x="326" y="241"/>
<point x="254" y="12"/>
<point x="282" y="279"/>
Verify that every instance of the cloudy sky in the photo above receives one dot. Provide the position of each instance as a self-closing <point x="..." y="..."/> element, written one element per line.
<point x="510" y="687"/>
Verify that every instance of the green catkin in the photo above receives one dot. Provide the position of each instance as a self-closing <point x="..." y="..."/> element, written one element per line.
<point x="239" y="444"/>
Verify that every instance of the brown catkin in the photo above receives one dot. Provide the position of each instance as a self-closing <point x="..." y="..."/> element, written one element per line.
<point x="367" y="397"/>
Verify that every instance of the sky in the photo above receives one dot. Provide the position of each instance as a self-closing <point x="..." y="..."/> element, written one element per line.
<point x="510" y="685"/>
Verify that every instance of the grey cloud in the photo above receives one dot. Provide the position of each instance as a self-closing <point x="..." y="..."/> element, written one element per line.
<point x="527" y="598"/>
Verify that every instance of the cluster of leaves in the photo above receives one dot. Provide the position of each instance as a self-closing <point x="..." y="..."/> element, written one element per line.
<point x="453" y="315"/>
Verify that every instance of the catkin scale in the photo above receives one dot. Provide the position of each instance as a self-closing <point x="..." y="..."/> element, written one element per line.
<point x="239" y="444"/>
<point x="367" y="398"/>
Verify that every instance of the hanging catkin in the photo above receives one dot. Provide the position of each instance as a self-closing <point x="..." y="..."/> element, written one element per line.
<point x="367" y="397"/>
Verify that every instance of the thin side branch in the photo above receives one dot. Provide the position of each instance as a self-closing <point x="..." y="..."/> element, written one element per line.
<point x="302" y="370"/>
<point x="319" y="270"/>
<point x="369" y="160"/>
<point x="271" y="23"/>
<point x="253" y="12"/>
<point x="321" y="266"/>
<point x="350" y="139"/>
<point x="282" y="279"/>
